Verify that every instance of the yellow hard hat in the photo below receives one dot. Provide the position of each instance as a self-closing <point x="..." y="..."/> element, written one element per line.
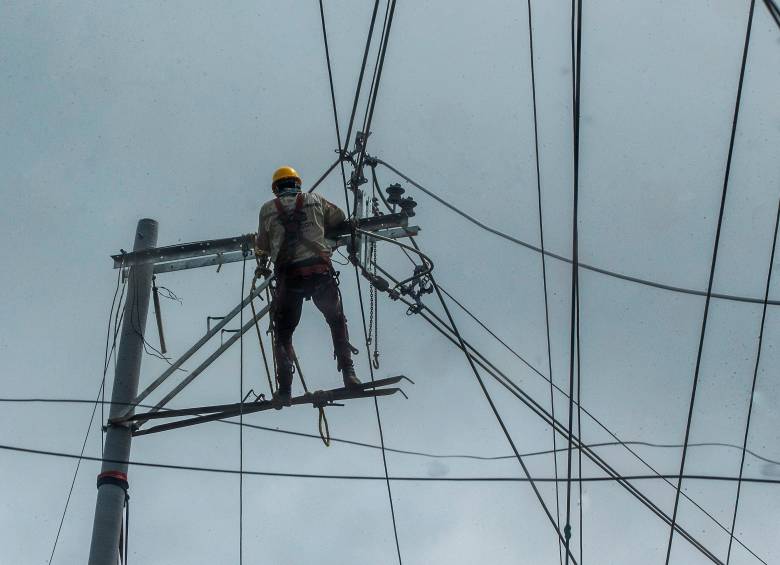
<point x="285" y="173"/>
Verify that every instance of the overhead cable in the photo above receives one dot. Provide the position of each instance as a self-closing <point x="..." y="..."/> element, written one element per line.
<point x="544" y="270"/>
<point x="703" y="332"/>
<point x="774" y="11"/>
<point x="427" y="454"/>
<point x="101" y="393"/>
<point x="497" y="415"/>
<point x="548" y="253"/>
<point x="432" y="455"/>
<point x="576" y="15"/>
<point x="375" y="94"/>
<point x="360" y="75"/>
<point x="579" y="406"/>
<point x="753" y="384"/>
<point x="424" y="479"/>
<point x="437" y="323"/>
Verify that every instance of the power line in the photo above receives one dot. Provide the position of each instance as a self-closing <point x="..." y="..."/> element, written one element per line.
<point x="360" y="76"/>
<point x="711" y="276"/>
<point x="774" y="11"/>
<point x="753" y="384"/>
<point x="544" y="272"/>
<point x="378" y="418"/>
<point x="101" y="391"/>
<point x="372" y="100"/>
<point x="462" y="346"/>
<point x="431" y="455"/>
<point x="356" y="195"/>
<point x="539" y="410"/>
<point x="424" y="479"/>
<point x="544" y="415"/>
<point x="548" y="253"/>
<point x="376" y="65"/>
<point x="330" y="76"/>
<point x="497" y="415"/>
<point x="575" y="16"/>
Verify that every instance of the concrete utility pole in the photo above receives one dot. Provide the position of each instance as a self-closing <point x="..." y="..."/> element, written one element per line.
<point x="112" y="481"/>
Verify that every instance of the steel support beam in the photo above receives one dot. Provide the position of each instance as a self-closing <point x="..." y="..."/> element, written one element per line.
<point x="200" y="343"/>
<point x="211" y="358"/>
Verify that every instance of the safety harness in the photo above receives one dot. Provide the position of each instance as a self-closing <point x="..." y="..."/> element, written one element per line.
<point x="291" y="222"/>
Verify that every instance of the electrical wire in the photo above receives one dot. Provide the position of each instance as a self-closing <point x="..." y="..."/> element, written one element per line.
<point x="774" y="11"/>
<point x="427" y="454"/>
<point x="711" y="275"/>
<point x="753" y="384"/>
<point x="596" y="420"/>
<point x="356" y="196"/>
<point x="341" y="148"/>
<point x="548" y="253"/>
<point x="360" y="76"/>
<point x="376" y="65"/>
<point x="378" y="418"/>
<point x="470" y="360"/>
<point x="579" y="424"/>
<point x="494" y="409"/>
<point x="375" y="94"/>
<point x="544" y="270"/>
<point x="330" y="76"/>
<point x="438" y="324"/>
<point x="576" y="53"/>
<point x="425" y="479"/>
<point x="101" y="393"/>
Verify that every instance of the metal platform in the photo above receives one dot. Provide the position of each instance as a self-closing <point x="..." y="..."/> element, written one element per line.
<point x="318" y="399"/>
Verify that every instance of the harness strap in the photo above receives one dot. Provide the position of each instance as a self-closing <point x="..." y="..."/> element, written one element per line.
<point x="292" y="225"/>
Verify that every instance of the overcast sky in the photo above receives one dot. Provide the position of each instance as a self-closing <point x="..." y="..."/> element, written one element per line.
<point x="180" y="111"/>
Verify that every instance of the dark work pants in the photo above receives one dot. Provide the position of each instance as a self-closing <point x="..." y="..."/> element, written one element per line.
<point x="290" y="293"/>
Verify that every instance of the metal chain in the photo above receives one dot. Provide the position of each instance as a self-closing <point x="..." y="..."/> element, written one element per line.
<point x="375" y="309"/>
<point x="371" y="293"/>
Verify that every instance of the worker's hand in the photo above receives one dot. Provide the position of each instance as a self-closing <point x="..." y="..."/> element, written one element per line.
<point x="262" y="269"/>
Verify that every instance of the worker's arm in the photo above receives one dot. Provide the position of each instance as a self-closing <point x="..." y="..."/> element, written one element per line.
<point x="333" y="214"/>
<point x="262" y="239"/>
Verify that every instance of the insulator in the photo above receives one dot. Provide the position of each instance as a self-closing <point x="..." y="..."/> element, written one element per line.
<point x="407" y="206"/>
<point x="394" y="192"/>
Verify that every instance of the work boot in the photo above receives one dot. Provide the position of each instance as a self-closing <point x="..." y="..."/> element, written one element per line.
<point x="350" y="378"/>
<point x="284" y="392"/>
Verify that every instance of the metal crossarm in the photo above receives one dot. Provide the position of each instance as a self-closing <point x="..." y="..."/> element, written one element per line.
<point x="231" y="249"/>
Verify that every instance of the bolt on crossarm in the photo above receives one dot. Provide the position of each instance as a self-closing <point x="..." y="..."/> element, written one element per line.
<point x="112" y="481"/>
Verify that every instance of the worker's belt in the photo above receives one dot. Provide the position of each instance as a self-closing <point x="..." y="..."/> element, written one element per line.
<point x="306" y="268"/>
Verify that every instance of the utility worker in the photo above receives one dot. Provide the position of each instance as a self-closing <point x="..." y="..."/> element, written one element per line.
<point x="291" y="233"/>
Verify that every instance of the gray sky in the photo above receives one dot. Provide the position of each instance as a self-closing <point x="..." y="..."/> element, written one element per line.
<point x="180" y="111"/>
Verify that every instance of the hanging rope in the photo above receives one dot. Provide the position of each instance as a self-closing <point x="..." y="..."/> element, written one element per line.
<point x="257" y="328"/>
<point x="323" y="427"/>
<point x="269" y="297"/>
